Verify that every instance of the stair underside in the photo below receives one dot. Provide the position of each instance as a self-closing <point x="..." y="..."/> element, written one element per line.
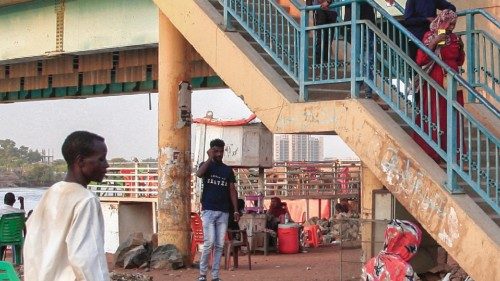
<point x="454" y="221"/>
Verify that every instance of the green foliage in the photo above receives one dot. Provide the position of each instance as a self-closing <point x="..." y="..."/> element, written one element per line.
<point x="13" y="157"/>
<point x="40" y="174"/>
<point x="25" y="162"/>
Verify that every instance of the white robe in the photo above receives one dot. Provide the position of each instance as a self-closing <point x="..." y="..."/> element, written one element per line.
<point x="65" y="237"/>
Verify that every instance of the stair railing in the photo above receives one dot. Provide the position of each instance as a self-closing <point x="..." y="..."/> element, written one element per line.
<point x="468" y="158"/>
<point x="469" y="149"/>
<point x="272" y="27"/>
<point x="482" y="53"/>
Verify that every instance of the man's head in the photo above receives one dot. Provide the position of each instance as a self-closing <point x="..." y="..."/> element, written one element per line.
<point x="217" y="147"/>
<point x="9" y="199"/>
<point x="85" y="154"/>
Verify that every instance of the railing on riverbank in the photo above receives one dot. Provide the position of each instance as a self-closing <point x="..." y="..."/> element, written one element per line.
<point x="129" y="181"/>
<point x="138" y="181"/>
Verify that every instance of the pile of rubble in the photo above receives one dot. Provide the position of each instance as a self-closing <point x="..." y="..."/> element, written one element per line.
<point x="137" y="252"/>
<point x="342" y="227"/>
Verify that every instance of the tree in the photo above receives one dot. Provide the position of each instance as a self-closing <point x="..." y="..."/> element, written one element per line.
<point x="13" y="157"/>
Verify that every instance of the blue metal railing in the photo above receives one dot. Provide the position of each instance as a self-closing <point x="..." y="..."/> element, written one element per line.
<point x="482" y="52"/>
<point x="470" y="150"/>
<point x="272" y="27"/>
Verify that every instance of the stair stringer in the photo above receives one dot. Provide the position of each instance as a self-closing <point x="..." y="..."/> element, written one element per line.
<point x="454" y="221"/>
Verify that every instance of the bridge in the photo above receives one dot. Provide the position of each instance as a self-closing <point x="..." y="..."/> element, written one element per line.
<point x="262" y="50"/>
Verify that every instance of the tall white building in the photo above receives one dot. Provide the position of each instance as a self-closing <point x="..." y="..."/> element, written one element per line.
<point x="298" y="148"/>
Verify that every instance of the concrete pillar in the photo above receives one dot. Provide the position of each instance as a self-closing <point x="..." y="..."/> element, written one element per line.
<point x="174" y="135"/>
<point x="369" y="183"/>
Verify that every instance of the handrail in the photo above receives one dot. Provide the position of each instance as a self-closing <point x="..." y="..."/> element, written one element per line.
<point x="487" y="15"/>
<point x="417" y="42"/>
<point x="434" y="57"/>
<point x="388" y="62"/>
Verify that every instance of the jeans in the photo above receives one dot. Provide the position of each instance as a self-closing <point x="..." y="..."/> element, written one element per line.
<point x="214" y="232"/>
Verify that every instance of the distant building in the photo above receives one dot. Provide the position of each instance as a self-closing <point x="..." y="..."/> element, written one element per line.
<point x="298" y="148"/>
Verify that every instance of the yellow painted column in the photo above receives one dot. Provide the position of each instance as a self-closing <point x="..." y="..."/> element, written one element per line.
<point x="174" y="134"/>
<point x="369" y="183"/>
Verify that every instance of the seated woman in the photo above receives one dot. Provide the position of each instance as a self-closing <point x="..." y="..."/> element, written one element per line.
<point x="277" y="213"/>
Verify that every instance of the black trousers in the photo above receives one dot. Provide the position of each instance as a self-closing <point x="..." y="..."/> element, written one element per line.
<point x="322" y="17"/>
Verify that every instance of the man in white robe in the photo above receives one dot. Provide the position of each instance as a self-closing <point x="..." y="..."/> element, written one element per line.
<point x="65" y="233"/>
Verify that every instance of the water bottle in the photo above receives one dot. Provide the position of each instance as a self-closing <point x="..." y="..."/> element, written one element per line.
<point x="287" y="218"/>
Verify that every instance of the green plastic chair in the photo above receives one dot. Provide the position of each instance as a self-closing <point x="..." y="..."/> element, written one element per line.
<point x="7" y="272"/>
<point x="11" y="233"/>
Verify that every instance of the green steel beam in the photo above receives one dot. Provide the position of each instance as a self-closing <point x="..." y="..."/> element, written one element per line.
<point x="102" y="90"/>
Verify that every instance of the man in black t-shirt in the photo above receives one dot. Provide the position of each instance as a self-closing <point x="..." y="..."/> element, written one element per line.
<point x="219" y="193"/>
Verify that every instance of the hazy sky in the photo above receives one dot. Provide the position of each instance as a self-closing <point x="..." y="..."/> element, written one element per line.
<point x="127" y="123"/>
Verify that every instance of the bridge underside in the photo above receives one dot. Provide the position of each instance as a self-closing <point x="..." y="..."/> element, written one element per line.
<point x="91" y="75"/>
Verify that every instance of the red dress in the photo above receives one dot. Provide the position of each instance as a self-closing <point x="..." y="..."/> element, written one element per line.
<point x="453" y="55"/>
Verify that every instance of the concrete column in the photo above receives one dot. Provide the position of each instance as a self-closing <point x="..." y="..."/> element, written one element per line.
<point x="174" y="135"/>
<point x="369" y="183"/>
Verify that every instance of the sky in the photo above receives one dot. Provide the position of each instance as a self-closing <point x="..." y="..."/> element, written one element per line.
<point x="127" y="123"/>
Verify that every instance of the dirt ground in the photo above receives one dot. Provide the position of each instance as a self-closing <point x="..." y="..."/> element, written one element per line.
<point x="318" y="264"/>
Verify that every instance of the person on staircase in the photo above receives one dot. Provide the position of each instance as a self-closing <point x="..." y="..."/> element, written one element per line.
<point x="450" y="48"/>
<point x="219" y="193"/>
<point x="418" y="15"/>
<point x="324" y="38"/>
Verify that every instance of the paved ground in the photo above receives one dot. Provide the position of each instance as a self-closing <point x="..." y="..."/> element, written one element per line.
<point x="319" y="264"/>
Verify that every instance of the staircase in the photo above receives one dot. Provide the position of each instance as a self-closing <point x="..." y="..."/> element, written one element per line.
<point x="256" y="51"/>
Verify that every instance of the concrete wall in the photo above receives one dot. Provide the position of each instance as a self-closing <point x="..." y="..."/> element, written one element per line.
<point x="135" y="217"/>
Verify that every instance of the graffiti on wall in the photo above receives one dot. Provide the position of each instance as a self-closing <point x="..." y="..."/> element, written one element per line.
<point x="419" y="194"/>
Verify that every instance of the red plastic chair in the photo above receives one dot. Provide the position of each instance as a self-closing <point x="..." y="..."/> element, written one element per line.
<point x="312" y="235"/>
<point x="196" y="234"/>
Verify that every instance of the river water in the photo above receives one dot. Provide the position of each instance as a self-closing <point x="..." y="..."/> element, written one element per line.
<point x="32" y="195"/>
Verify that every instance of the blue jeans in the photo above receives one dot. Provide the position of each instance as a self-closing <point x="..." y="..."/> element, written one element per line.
<point x="214" y="232"/>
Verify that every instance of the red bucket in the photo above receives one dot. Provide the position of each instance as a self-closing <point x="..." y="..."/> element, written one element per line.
<point x="288" y="238"/>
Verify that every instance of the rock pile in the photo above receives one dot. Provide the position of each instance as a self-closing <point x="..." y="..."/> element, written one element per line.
<point x="342" y="227"/>
<point x="137" y="252"/>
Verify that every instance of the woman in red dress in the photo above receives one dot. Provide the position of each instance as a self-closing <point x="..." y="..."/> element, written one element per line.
<point x="449" y="47"/>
